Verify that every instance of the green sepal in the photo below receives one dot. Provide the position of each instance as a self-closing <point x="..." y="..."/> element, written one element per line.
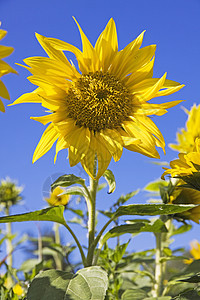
<point x="67" y="180"/>
<point x="110" y="178"/>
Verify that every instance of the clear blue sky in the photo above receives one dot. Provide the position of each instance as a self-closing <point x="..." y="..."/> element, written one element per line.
<point x="173" y="25"/>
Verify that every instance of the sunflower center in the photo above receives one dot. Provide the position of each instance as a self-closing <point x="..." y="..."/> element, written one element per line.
<point x="99" y="101"/>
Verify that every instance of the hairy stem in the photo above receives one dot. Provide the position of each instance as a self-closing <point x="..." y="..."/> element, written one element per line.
<point x="91" y="221"/>
<point x="92" y="216"/>
<point x="58" y="257"/>
<point x="77" y="243"/>
<point x="158" y="266"/>
<point x="9" y="246"/>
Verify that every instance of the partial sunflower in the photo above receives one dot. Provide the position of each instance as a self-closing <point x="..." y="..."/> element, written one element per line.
<point x="57" y="198"/>
<point x="4" y="68"/>
<point x="194" y="251"/>
<point x="102" y="107"/>
<point x="186" y="137"/>
<point x="184" y="195"/>
<point x="187" y="164"/>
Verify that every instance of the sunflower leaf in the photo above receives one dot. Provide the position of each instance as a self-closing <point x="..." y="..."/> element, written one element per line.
<point x="151" y="209"/>
<point x="54" y="214"/>
<point x="67" y="180"/>
<point x="110" y="178"/>
<point x="87" y="283"/>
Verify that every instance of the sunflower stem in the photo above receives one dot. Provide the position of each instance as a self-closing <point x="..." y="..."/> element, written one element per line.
<point x="158" y="266"/>
<point x="9" y="246"/>
<point x="77" y="243"/>
<point x="58" y="257"/>
<point x="162" y="240"/>
<point x="92" y="216"/>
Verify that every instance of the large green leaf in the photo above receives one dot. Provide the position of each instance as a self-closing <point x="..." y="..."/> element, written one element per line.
<point x="88" y="283"/>
<point x="54" y="214"/>
<point x="151" y="209"/>
<point x="67" y="180"/>
<point x="110" y="178"/>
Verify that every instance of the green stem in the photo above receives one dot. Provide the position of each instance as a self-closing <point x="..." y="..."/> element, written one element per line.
<point x="91" y="221"/>
<point x="91" y="205"/>
<point x="39" y="244"/>
<point x="162" y="240"/>
<point x="158" y="266"/>
<point x="9" y="246"/>
<point x="58" y="257"/>
<point x="77" y="242"/>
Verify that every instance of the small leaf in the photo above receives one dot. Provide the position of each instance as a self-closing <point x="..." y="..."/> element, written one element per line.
<point x="78" y="212"/>
<point x="157" y="226"/>
<point x="155" y="186"/>
<point x="119" y="252"/>
<point x="101" y="186"/>
<point x="67" y="180"/>
<point x="75" y="190"/>
<point x="124" y="198"/>
<point x="110" y="178"/>
<point x="134" y="294"/>
<point x="182" y="229"/>
<point x="54" y="214"/>
<point x="88" y="283"/>
<point x="192" y="279"/>
<point x="151" y="209"/>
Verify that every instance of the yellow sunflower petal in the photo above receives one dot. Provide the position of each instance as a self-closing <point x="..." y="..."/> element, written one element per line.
<point x="6" y="68"/>
<point x="3" y="91"/>
<point x="107" y="45"/>
<point x="5" y="51"/>
<point x="123" y="56"/>
<point x="113" y="142"/>
<point x="60" y="145"/>
<point x="89" y="52"/>
<point x="2" y="108"/>
<point x="47" y="140"/>
<point x="2" y="33"/>
<point x="51" y="51"/>
<point x="141" y="74"/>
<point x="51" y="67"/>
<point x="79" y="141"/>
<point x="33" y="97"/>
<point x="136" y="61"/>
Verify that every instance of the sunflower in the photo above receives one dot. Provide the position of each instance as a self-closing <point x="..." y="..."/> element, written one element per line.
<point x="101" y="106"/>
<point x="186" y="137"/>
<point x="187" y="164"/>
<point x="56" y="198"/>
<point x="4" y="68"/>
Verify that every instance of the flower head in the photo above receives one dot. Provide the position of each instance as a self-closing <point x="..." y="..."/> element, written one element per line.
<point x="4" y="68"/>
<point x="187" y="164"/>
<point x="10" y="193"/>
<point x="186" y="137"/>
<point x="103" y="105"/>
<point x="56" y="198"/>
<point x="194" y="251"/>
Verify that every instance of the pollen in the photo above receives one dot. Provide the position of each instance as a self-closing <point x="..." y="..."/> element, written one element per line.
<point x="99" y="101"/>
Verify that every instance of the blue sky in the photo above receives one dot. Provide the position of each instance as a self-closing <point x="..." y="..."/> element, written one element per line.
<point x="173" y="25"/>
